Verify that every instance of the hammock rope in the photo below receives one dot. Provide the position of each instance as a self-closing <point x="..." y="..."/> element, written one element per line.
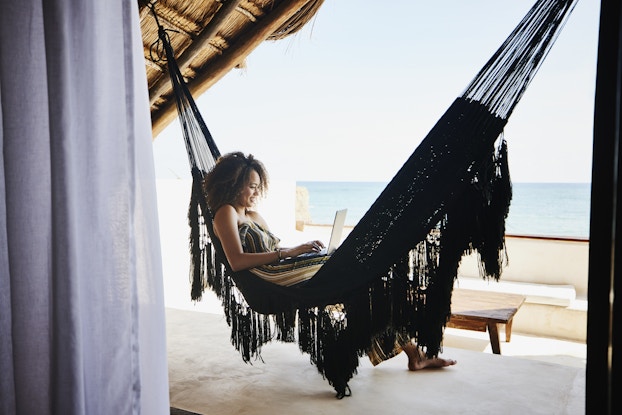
<point x="394" y="273"/>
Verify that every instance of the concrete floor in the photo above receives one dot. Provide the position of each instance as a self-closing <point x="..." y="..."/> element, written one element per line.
<point x="532" y="376"/>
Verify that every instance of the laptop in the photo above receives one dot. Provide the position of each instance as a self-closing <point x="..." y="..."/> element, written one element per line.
<point x="335" y="236"/>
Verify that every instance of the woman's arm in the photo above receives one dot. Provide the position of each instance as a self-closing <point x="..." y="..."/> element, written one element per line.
<point x="226" y="228"/>
<point x="311" y="246"/>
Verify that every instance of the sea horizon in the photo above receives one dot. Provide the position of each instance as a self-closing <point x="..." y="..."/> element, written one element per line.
<point x="548" y="209"/>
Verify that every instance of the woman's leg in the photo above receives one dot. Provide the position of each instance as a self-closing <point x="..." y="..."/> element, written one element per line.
<point x="381" y="351"/>
<point x="417" y="359"/>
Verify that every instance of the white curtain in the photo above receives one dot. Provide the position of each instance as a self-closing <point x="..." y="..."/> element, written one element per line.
<point x="82" y="327"/>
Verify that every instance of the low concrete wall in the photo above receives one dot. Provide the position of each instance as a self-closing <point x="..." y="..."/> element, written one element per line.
<point x="553" y="275"/>
<point x="547" y="261"/>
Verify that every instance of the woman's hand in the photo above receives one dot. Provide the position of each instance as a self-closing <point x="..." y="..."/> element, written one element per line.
<point x="307" y="247"/>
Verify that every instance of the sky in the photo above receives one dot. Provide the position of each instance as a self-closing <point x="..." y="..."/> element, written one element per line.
<point x="351" y="96"/>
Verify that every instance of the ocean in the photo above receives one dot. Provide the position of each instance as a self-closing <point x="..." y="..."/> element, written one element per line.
<point x="537" y="209"/>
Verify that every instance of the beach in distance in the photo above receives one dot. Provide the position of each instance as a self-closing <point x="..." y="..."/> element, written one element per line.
<point x="537" y="209"/>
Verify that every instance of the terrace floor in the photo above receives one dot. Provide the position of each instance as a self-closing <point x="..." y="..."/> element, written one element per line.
<point x="534" y="375"/>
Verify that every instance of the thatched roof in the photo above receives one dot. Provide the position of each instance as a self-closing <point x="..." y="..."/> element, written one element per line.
<point x="210" y="38"/>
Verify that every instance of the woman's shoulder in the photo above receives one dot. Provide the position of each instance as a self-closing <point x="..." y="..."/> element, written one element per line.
<point x="227" y="209"/>
<point x="256" y="217"/>
<point x="225" y="213"/>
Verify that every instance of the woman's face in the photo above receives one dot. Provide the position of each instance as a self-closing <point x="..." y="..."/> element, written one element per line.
<point x="250" y="192"/>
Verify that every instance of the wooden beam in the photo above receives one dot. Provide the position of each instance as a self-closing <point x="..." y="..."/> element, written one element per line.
<point x="195" y="47"/>
<point x="213" y="71"/>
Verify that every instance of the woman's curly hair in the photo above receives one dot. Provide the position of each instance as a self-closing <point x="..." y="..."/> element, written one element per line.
<point x="223" y="184"/>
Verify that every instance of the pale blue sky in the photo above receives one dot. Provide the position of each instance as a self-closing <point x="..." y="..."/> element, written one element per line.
<point x="351" y="96"/>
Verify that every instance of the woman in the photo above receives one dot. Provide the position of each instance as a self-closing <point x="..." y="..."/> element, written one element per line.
<point x="233" y="187"/>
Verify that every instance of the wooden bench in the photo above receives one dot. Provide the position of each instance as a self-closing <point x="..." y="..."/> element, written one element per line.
<point x="484" y="310"/>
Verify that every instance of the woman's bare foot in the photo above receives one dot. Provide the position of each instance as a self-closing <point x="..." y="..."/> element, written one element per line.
<point x="417" y="359"/>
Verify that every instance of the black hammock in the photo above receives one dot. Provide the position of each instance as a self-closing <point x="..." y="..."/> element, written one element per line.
<point x="395" y="271"/>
